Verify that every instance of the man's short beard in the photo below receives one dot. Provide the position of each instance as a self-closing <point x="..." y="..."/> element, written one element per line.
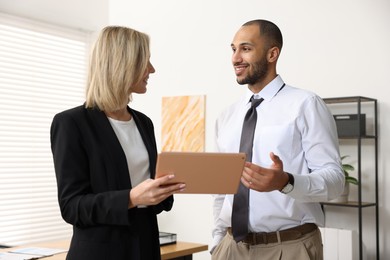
<point x="260" y="72"/>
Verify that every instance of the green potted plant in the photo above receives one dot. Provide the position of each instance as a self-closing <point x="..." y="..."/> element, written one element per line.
<point x="348" y="180"/>
<point x="347" y="168"/>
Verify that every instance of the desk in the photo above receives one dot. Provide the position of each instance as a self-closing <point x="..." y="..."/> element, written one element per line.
<point x="178" y="251"/>
<point x="181" y="250"/>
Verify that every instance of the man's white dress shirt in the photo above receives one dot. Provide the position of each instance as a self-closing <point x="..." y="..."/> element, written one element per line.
<point x="297" y="126"/>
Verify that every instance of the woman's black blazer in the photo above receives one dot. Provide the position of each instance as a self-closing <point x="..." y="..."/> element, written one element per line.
<point x="93" y="184"/>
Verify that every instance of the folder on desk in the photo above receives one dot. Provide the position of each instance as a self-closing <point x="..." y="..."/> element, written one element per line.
<point x="18" y="256"/>
<point x="167" y="238"/>
<point x="36" y="252"/>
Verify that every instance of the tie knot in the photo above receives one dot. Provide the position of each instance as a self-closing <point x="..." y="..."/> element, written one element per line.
<point x="255" y="102"/>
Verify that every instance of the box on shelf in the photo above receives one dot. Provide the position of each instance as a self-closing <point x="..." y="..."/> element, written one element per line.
<point x="348" y="125"/>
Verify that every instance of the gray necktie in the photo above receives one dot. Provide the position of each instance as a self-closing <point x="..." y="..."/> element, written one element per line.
<point x="240" y="214"/>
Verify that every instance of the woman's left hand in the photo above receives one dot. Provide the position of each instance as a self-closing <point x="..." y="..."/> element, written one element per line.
<point x="152" y="192"/>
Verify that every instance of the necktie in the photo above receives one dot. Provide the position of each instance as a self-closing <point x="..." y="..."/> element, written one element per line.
<point x="240" y="214"/>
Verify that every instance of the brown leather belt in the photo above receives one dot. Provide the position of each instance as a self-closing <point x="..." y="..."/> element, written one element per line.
<point x="272" y="237"/>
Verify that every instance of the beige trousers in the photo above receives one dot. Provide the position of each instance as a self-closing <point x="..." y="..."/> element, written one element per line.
<point x="308" y="247"/>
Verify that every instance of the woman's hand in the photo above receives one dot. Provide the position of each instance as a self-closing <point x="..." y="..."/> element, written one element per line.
<point x="152" y="192"/>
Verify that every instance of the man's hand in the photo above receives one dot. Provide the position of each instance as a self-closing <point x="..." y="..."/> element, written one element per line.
<point x="265" y="179"/>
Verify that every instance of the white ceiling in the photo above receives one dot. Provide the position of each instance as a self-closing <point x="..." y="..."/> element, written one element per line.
<point x="89" y="15"/>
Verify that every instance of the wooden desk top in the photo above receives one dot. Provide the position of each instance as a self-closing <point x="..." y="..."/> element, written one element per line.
<point x="167" y="251"/>
<point x="181" y="249"/>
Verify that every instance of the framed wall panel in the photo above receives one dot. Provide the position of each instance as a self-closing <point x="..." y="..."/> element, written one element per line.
<point x="183" y="123"/>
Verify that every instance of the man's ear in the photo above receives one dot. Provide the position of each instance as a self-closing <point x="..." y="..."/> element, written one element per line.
<point x="273" y="54"/>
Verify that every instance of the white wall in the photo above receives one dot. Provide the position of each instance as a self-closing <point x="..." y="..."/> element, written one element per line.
<point x="334" y="48"/>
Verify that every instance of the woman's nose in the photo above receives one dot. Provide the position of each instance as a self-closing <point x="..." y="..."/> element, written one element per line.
<point x="151" y="68"/>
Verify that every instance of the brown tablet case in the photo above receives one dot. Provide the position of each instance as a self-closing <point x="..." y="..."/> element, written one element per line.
<point x="204" y="173"/>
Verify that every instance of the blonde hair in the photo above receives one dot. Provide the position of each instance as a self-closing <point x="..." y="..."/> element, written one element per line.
<point x="119" y="58"/>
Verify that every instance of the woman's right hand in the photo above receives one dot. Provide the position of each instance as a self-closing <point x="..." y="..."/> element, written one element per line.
<point x="153" y="191"/>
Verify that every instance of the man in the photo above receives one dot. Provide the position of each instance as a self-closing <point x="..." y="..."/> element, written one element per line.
<point x="294" y="156"/>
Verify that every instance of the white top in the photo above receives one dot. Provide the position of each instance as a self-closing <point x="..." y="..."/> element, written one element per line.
<point x="297" y="126"/>
<point x="134" y="149"/>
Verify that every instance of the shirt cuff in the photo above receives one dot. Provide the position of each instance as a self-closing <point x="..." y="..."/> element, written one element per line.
<point x="300" y="186"/>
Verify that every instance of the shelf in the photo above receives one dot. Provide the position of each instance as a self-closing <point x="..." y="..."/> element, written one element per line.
<point x="358" y="106"/>
<point x="356" y="137"/>
<point x="352" y="204"/>
<point x="353" y="99"/>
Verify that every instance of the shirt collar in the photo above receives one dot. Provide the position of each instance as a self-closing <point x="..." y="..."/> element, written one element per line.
<point x="268" y="92"/>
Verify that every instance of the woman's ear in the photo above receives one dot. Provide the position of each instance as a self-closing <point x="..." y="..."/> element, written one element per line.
<point x="273" y="54"/>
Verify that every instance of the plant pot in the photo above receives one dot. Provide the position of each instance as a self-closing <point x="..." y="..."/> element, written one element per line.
<point x="344" y="196"/>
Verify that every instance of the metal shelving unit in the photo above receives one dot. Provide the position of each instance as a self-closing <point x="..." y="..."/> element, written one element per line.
<point x="373" y="135"/>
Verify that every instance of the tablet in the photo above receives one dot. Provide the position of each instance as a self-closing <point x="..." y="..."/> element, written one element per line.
<point x="204" y="173"/>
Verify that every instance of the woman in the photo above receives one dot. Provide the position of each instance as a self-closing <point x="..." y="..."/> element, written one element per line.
<point x="105" y="155"/>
